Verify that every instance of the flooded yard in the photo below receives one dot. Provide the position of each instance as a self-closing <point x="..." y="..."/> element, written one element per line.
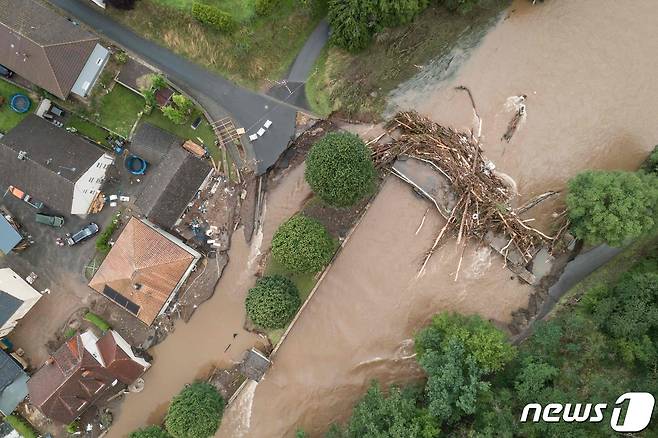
<point x="195" y="348"/>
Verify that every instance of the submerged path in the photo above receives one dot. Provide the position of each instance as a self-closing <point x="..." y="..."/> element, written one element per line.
<point x="219" y="96"/>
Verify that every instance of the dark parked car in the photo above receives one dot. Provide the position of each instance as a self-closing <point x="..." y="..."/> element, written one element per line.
<point x="86" y="232"/>
<point x="57" y="111"/>
<point x="4" y="71"/>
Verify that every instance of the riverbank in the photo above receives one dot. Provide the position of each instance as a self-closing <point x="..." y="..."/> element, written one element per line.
<point x="357" y="85"/>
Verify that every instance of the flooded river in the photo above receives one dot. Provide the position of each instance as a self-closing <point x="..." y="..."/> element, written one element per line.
<point x="587" y="68"/>
<point x="196" y="347"/>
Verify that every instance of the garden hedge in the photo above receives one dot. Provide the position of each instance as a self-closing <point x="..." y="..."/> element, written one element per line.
<point x="273" y="302"/>
<point x="215" y="17"/>
<point x="195" y="412"/>
<point x="302" y="244"/>
<point x="340" y="170"/>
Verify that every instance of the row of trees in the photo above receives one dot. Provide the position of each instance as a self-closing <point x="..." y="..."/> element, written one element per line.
<point x="194" y="413"/>
<point x="477" y="383"/>
<point x="341" y="173"/>
<point x="354" y="23"/>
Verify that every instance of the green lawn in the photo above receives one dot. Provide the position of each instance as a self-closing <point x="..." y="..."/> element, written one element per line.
<point x="88" y="129"/>
<point x="8" y="117"/>
<point x="241" y="10"/>
<point x="203" y="134"/>
<point x="258" y="52"/>
<point x="119" y="110"/>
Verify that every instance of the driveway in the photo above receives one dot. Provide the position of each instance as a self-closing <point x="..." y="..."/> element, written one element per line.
<point x="217" y="95"/>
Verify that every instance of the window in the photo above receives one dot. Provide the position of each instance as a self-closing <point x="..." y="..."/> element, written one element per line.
<point x="100" y="61"/>
<point x="100" y="388"/>
<point x="82" y="406"/>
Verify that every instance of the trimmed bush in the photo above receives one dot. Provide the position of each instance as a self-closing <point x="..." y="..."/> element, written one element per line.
<point x="215" y="17"/>
<point x="97" y="321"/>
<point x="265" y="7"/>
<point x="149" y="432"/>
<point x="339" y="169"/>
<point x="195" y="412"/>
<point x="273" y="302"/>
<point x="302" y="244"/>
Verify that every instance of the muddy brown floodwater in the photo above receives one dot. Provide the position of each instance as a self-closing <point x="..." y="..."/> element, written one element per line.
<point x="588" y="69"/>
<point x="196" y="347"/>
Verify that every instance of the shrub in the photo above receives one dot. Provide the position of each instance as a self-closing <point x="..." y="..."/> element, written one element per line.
<point x="302" y="244"/>
<point x="181" y="102"/>
<point x="355" y="22"/>
<point x="215" y="17"/>
<point x="149" y="432"/>
<point x="121" y="57"/>
<point x="612" y="207"/>
<point x="461" y="6"/>
<point x="158" y="82"/>
<point x="103" y="239"/>
<point x="195" y="412"/>
<point x="174" y="114"/>
<point x="21" y="425"/>
<point x="73" y="427"/>
<point x="339" y="169"/>
<point x="265" y="7"/>
<point x="651" y="165"/>
<point x="122" y="4"/>
<point x="272" y="303"/>
<point x="97" y="321"/>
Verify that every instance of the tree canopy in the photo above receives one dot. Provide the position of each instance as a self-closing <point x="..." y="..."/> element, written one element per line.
<point x="302" y="244"/>
<point x="612" y="207"/>
<point x="339" y="169"/>
<point x="195" y="412"/>
<point x="396" y="415"/>
<point x="273" y="302"/>
<point x="149" y="432"/>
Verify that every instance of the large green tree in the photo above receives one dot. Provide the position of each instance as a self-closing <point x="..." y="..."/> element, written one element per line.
<point x="302" y="244"/>
<point x="355" y="22"/>
<point x="273" y="302"/>
<point x="612" y="207"/>
<point x="396" y="415"/>
<point x="340" y="170"/>
<point x="483" y="341"/>
<point x="195" y="412"/>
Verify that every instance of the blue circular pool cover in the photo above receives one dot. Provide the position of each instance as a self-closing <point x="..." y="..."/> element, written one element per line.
<point x="20" y="103"/>
<point x="136" y="165"/>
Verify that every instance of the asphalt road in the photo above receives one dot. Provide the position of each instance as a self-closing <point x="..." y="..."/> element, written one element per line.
<point x="217" y="95"/>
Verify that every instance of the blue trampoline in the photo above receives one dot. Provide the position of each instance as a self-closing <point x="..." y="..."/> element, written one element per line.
<point x="20" y="103"/>
<point x="136" y="165"/>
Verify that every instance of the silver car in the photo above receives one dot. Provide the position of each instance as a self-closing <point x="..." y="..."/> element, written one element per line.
<point x="86" y="232"/>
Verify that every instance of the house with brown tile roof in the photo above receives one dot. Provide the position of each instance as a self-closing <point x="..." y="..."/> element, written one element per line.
<point x="144" y="270"/>
<point x="81" y="372"/>
<point x="49" y="50"/>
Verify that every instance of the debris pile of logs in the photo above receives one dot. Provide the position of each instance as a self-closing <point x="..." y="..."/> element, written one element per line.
<point x="483" y="200"/>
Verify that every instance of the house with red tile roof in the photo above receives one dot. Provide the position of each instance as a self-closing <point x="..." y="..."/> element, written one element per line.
<point x="144" y="270"/>
<point x="81" y="372"/>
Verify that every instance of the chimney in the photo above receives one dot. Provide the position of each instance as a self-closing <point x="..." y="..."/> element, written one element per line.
<point x="50" y="361"/>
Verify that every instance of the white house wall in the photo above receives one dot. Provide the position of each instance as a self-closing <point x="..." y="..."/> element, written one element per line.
<point x="89" y="185"/>
<point x="13" y="284"/>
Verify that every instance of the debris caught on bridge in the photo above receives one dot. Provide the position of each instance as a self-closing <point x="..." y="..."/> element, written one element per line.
<point x="481" y="204"/>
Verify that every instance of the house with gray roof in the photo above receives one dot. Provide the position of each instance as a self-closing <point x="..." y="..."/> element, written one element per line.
<point x="54" y="166"/>
<point x="13" y="384"/>
<point x="17" y="297"/>
<point x="49" y="50"/>
<point x="9" y="236"/>
<point x="172" y="184"/>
